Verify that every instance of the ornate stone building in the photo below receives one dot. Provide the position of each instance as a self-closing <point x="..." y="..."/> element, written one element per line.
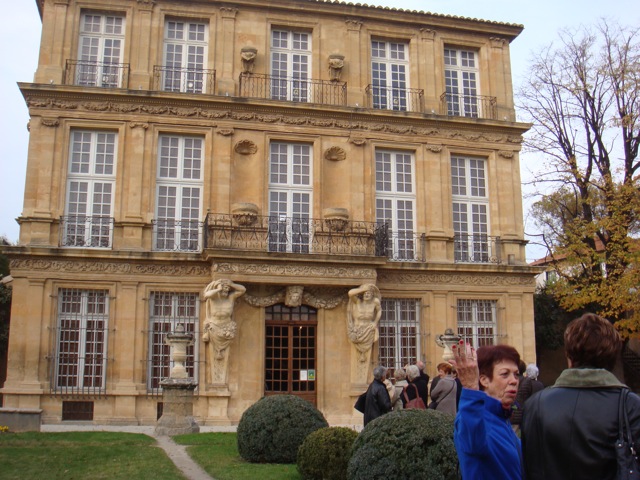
<point x="298" y="149"/>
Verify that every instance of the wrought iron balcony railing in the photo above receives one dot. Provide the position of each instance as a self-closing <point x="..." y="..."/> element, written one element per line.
<point x="474" y="106"/>
<point x="331" y="236"/>
<point x="400" y="99"/>
<point x="324" y="92"/>
<point x="86" y="231"/>
<point x="406" y="246"/>
<point x="184" y="80"/>
<point x="96" y="74"/>
<point x="477" y="249"/>
<point x="177" y="235"/>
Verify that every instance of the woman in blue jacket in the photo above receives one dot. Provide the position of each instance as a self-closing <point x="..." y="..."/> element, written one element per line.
<point x="486" y="445"/>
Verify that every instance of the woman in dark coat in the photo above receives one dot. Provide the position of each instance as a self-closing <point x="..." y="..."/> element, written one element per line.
<point x="377" y="399"/>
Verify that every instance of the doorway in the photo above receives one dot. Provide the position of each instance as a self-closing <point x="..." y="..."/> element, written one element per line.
<point x="290" y="351"/>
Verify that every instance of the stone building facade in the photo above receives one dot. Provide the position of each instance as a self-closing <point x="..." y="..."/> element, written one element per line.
<point x="291" y="147"/>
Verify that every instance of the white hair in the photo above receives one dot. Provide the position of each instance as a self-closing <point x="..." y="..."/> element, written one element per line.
<point x="532" y="371"/>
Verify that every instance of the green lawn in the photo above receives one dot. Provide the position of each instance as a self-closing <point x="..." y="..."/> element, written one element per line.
<point x="83" y="455"/>
<point x="218" y="454"/>
<point x="112" y="455"/>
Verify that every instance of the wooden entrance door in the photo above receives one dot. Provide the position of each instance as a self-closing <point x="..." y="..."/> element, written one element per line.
<point x="290" y="351"/>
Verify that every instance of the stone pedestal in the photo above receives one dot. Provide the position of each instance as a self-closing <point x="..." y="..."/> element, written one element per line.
<point x="177" y="409"/>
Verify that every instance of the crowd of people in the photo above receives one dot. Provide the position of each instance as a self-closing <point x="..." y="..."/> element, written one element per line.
<point x="508" y="426"/>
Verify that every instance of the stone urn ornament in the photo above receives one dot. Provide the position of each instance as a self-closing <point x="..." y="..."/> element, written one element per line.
<point x="446" y="341"/>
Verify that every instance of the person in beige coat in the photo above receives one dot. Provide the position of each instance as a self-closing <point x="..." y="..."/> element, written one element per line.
<point x="444" y="393"/>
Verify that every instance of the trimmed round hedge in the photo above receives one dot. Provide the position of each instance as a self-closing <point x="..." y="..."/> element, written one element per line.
<point x="325" y="453"/>
<point x="407" y="444"/>
<point x="272" y="429"/>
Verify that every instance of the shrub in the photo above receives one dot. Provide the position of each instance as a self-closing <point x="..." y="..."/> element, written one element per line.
<point x="325" y="453"/>
<point x="272" y="429"/>
<point x="407" y="444"/>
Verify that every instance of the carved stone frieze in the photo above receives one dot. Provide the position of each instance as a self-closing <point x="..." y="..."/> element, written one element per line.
<point x="434" y="148"/>
<point x="301" y="271"/>
<point x="316" y="297"/>
<point x="400" y="278"/>
<point x="146" y="4"/>
<point x="245" y="147"/>
<point x="335" y="154"/>
<point x="213" y="113"/>
<point x="49" y="122"/>
<point x="74" y="266"/>
<point x="506" y="153"/>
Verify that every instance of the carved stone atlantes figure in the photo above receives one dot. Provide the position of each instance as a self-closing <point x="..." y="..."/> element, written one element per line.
<point x="248" y="55"/>
<point x="219" y="327"/>
<point x="363" y="315"/>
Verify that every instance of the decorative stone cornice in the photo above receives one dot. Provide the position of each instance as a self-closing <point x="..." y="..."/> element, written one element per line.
<point x="286" y="270"/>
<point x="400" y="278"/>
<point x="335" y="154"/>
<point x="245" y="147"/>
<point x="215" y="112"/>
<point x="109" y="267"/>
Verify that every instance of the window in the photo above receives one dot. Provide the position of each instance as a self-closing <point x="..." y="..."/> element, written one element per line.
<point x="290" y="189"/>
<point x="100" y="51"/>
<point x="81" y="357"/>
<point x="179" y="193"/>
<point x="477" y="321"/>
<point x="395" y="200"/>
<point x="399" y="332"/>
<point x="470" y="210"/>
<point x="185" y="54"/>
<point x="90" y="188"/>
<point x="461" y="82"/>
<point x="389" y="65"/>
<point x="290" y="65"/>
<point x="167" y="310"/>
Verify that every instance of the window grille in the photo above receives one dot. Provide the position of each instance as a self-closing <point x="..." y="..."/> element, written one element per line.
<point x="399" y="343"/>
<point x="477" y="321"/>
<point x="168" y="309"/>
<point x="81" y="341"/>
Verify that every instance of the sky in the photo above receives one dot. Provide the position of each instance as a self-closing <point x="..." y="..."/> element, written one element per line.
<point x="20" y="40"/>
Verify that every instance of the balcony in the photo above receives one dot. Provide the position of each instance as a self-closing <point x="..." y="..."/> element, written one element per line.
<point x="399" y="99"/>
<point x="323" y="92"/>
<point x="248" y="232"/>
<point x="472" y="106"/>
<point x="184" y="80"/>
<point x="85" y="231"/>
<point x="406" y="246"/>
<point x="477" y="249"/>
<point x="177" y="235"/>
<point x="96" y="74"/>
